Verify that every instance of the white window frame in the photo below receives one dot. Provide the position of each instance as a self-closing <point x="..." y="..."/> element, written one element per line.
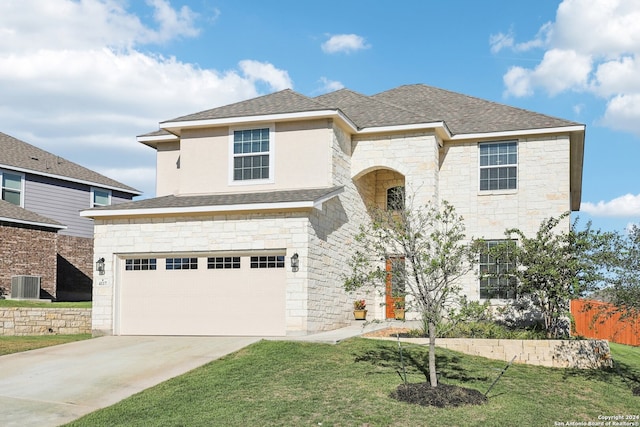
<point x="271" y="154"/>
<point x="507" y="165"/>
<point x="22" y="179"/>
<point x="498" y="265"/>
<point x="92" y="196"/>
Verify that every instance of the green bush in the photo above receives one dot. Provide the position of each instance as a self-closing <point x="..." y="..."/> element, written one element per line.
<point x="488" y="329"/>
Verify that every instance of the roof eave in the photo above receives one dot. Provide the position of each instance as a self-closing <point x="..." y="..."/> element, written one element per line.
<point x="297" y="205"/>
<point x="70" y="179"/>
<point x="152" y="141"/>
<point x="518" y="132"/>
<point x="576" y="160"/>
<point x="176" y="127"/>
<point x="33" y="223"/>
<point x="440" y="128"/>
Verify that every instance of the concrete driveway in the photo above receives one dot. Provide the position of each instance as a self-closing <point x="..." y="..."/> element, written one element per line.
<point x="55" y="385"/>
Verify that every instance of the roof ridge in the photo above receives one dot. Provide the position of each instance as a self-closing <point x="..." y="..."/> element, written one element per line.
<point x="476" y="98"/>
<point x="25" y="156"/>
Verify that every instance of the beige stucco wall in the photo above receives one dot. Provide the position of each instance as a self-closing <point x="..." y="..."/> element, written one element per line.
<point x="301" y="156"/>
<point x="167" y="168"/>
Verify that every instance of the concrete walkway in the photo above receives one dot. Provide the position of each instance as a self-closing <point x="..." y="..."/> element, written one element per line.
<point x="55" y="385"/>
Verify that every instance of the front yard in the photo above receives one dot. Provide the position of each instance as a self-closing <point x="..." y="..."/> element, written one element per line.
<point x="291" y="383"/>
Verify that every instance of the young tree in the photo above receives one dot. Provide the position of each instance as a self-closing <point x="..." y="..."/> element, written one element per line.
<point x="554" y="267"/>
<point x="623" y="284"/>
<point x="436" y="255"/>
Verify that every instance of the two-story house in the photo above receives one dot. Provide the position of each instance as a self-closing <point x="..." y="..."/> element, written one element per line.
<point x="41" y="231"/>
<point x="258" y="202"/>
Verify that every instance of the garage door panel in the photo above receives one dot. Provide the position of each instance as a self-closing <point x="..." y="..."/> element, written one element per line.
<point x="205" y="301"/>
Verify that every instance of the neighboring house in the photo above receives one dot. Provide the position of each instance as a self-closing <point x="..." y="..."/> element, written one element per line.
<point x="41" y="230"/>
<point x="259" y="201"/>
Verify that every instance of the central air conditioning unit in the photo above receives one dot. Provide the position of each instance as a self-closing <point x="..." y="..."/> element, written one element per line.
<point x="25" y="287"/>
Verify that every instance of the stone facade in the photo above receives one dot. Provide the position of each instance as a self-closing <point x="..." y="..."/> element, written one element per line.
<point x="20" y="321"/>
<point x="27" y="250"/>
<point x="366" y="166"/>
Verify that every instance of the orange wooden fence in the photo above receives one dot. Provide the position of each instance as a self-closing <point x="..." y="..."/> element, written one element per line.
<point x="589" y="324"/>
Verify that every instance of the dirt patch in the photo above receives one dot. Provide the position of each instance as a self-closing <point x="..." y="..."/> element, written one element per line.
<point x="389" y="332"/>
<point x="442" y="396"/>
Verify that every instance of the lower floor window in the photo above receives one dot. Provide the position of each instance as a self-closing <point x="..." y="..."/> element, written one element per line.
<point x="495" y="281"/>
<point x="269" y="261"/>
<point x="182" y="263"/>
<point x="140" y="264"/>
<point x="223" y="262"/>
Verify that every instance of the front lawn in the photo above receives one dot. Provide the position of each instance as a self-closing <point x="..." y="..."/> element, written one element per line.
<point x="43" y="304"/>
<point x="302" y="384"/>
<point x="10" y="345"/>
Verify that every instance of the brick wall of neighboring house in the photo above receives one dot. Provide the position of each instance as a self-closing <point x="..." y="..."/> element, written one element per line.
<point x="30" y="251"/>
<point x="75" y="268"/>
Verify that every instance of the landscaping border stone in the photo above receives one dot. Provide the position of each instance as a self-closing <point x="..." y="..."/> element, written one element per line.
<point x="579" y="354"/>
<point x="22" y="321"/>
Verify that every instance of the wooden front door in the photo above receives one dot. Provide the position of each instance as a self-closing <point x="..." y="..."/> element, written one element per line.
<point x="395" y="286"/>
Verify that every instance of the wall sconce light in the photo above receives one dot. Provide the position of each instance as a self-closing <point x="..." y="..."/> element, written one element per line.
<point x="100" y="266"/>
<point x="295" y="262"/>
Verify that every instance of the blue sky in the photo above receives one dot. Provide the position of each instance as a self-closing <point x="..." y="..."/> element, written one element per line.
<point x="83" y="78"/>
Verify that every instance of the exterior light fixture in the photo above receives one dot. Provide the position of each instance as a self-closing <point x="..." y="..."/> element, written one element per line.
<point x="100" y="266"/>
<point x="295" y="262"/>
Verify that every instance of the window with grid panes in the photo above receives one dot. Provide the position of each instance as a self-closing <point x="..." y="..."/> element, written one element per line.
<point x="223" y="262"/>
<point x="140" y="264"/>
<point x="182" y="263"/>
<point x="495" y="281"/>
<point x="267" y="261"/>
<point x="251" y="152"/>
<point x="498" y="165"/>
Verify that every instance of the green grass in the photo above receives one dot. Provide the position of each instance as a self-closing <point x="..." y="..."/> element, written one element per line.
<point x="303" y="384"/>
<point x="24" y="303"/>
<point x="10" y="345"/>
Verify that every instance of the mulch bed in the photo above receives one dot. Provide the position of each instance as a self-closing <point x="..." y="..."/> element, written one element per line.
<point x="442" y="396"/>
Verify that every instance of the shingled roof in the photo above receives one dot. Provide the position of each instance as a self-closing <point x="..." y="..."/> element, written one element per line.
<point x="405" y="105"/>
<point x="283" y="102"/>
<point x="15" y="214"/>
<point x="26" y="157"/>
<point x="230" y="200"/>
<point x="466" y="114"/>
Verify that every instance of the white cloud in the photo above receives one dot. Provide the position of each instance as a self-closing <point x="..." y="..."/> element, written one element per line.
<point x="346" y="43"/>
<point x="623" y="206"/>
<point x="592" y="46"/>
<point x="500" y="41"/>
<point x="263" y="71"/>
<point x="329" y="85"/>
<point x="76" y="81"/>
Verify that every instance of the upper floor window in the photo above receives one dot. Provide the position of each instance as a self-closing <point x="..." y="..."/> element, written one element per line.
<point x="395" y="198"/>
<point x="495" y="280"/>
<point x="100" y="197"/>
<point x="12" y="187"/>
<point x="498" y="165"/>
<point x="252" y="154"/>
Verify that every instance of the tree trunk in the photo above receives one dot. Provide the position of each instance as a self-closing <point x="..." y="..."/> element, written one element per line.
<point x="433" y="377"/>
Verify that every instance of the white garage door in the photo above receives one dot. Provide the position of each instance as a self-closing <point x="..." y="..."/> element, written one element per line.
<point x="195" y="295"/>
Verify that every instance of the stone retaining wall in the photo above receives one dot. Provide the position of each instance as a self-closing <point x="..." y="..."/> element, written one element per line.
<point x="581" y="354"/>
<point x="18" y="321"/>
